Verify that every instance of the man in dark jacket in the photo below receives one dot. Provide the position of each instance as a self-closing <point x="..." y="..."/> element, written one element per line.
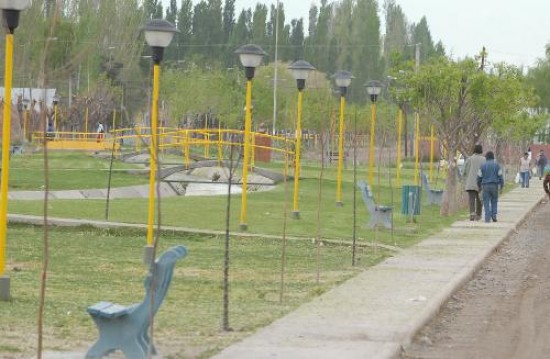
<point x="490" y="180"/>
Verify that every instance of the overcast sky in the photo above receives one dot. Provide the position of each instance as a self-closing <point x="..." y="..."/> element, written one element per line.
<point x="511" y="30"/>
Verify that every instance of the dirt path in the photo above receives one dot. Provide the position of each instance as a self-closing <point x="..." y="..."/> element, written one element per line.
<point x="504" y="312"/>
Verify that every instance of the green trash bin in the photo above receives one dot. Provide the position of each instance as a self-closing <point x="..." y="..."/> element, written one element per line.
<point x="410" y="199"/>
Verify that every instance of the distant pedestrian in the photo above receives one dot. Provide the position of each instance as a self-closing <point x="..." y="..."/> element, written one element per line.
<point x="50" y="131"/>
<point x="471" y="168"/>
<point x="524" y="170"/>
<point x="542" y="161"/>
<point x="100" y="131"/>
<point x="490" y="180"/>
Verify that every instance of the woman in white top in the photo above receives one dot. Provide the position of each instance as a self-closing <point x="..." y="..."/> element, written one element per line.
<point x="525" y="170"/>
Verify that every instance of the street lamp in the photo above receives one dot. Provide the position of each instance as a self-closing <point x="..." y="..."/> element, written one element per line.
<point x="251" y="57"/>
<point x="10" y="13"/>
<point x="343" y="80"/>
<point x="373" y="90"/>
<point x="158" y="34"/>
<point x="300" y="70"/>
<point x="55" y="101"/>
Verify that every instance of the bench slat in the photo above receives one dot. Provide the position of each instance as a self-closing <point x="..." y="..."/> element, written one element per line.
<point x="108" y="310"/>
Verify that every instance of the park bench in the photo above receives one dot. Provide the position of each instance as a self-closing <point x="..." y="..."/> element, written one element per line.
<point x="378" y="214"/>
<point x="333" y="156"/>
<point x="434" y="196"/>
<point x="126" y="328"/>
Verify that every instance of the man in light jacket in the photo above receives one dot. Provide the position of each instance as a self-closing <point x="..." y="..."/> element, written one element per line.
<point x="471" y="168"/>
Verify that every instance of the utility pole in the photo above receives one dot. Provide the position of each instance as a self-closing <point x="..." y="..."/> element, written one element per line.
<point x="276" y="72"/>
<point x="483" y="57"/>
<point x="416" y="121"/>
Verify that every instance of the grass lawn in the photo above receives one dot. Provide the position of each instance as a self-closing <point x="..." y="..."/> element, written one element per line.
<point x="69" y="170"/>
<point x="89" y="265"/>
<point x="265" y="209"/>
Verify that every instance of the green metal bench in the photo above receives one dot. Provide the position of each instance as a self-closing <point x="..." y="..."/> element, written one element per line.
<point x="125" y="328"/>
<point x="379" y="215"/>
<point x="434" y="196"/>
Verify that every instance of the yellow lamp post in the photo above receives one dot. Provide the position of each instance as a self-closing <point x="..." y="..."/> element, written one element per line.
<point x="55" y="102"/>
<point x="86" y="119"/>
<point x="10" y="13"/>
<point x="158" y="34"/>
<point x="399" y="135"/>
<point x="373" y="90"/>
<point x="417" y="148"/>
<point x="343" y="80"/>
<point x="251" y="57"/>
<point x="432" y="145"/>
<point x="300" y="70"/>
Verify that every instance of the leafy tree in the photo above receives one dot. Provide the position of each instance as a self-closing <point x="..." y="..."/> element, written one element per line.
<point x="207" y="30"/>
<point x="421" y="34"/>
<point x="172" y="12"/>
<point x="240" y="35"/>
<point x="152" y="9"/>
<point x="365" y="33"/>
<point x="297" y="38"/>
<point x="228" y="19"/>
<point x="343" y="34"/>
<point x="185" y="26"/>
<point x="313" y="14"/>
<point x="463" y="103"/>
<point x="539" y="78"/>
<point x="318" y="47"/>
<point x="396" y="38"/>
<point x="259" y="25"/>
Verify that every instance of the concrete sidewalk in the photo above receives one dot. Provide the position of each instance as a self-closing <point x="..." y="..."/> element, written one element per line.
<point x="377" y="312"/>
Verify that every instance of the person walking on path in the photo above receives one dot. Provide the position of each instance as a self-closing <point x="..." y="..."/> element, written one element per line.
<point x="471" y="168"/>
<point x="542" y="161"/>
<point x="524" y="170"/>
<point x="100" y="131"/>
<point x="490" y="180"/>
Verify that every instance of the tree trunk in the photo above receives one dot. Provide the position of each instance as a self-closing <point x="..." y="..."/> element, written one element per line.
<point x="450" y="202"/>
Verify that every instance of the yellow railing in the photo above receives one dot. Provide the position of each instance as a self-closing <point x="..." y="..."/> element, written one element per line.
<point x="199" y="142"/>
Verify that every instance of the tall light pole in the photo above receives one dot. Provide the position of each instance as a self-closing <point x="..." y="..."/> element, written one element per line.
<point x="55" y="101"/>
<point x="373" y="90"/>
<point x="400" y="105"/>
<point x="158" y="34"/>
<point x="343" y="80"/>
<point x="251" y="57"/>
<point x="300" y="70"/>
<point x="10" y="14"/>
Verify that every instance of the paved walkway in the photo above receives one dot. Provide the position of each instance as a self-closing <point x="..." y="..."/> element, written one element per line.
<point x="377" y="312"/>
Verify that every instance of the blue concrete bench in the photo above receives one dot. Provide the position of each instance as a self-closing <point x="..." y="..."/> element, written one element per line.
<point x="125" y="328"/>
<point x="378" y="214"/>
<point x="434" y="196"/>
